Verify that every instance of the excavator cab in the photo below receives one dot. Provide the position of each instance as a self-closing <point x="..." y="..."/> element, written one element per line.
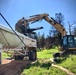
<point x="67" y="46"/>
<point x="69" y="43"/>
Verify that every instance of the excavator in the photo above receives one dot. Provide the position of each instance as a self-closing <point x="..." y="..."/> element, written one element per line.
<point x="67" y="42"/>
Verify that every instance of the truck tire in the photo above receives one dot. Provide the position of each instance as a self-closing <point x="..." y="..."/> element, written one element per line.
<point x="20" y="57"/>
<point x="55" y="55"/>
<point x="32" y="55"/>
<point x="15" y="57"/>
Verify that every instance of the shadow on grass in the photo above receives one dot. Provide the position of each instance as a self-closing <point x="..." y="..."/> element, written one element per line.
<point x="40" y="63"/>
<point x="44" y="63"/>
<point x="61" y="59"/>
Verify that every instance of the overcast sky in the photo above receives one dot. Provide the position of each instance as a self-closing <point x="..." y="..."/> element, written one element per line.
<point x="13" y="10"/>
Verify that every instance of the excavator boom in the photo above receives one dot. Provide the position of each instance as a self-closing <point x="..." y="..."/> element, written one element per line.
<point x="38" y="17"/>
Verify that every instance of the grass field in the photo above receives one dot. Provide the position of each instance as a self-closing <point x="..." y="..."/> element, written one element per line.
<point x="5" y="55"/>
<point x="46" y="53"/>
<point x="69" y="63"/>
<point x="43" y="66"/>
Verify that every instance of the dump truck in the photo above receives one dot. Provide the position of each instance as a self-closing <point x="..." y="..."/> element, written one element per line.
<point x="21" y="45"/>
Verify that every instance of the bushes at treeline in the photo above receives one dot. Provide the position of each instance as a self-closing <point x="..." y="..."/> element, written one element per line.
<point x="48" y="42"/>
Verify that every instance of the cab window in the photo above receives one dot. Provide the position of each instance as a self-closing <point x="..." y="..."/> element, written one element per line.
<point x="70" y="39"/>
<point x="75" y="39"/>
<point x="65" y="41"/>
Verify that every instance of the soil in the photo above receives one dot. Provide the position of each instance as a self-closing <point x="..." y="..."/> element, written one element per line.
<point x="13" y="67"/>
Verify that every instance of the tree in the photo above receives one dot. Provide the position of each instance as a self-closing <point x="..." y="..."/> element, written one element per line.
<point x="59" y="17"/>
<point x="48" y="44"/>
<point x="70" y="27"/>
<point x="53" y="40"/>
<point x="74" y="31"/>
<point x="42" y="41"/>
<point x="52" y="31"/>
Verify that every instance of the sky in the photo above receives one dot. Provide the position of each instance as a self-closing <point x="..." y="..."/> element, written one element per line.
<point x="13" y="10"/>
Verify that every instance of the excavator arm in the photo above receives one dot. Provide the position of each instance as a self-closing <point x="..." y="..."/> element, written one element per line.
<point x="56" y="25"/>
<point x="69" y="47"/>
<point x="25" y="22"/>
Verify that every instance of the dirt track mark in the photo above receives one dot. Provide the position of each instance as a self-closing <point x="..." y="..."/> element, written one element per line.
<point x="13" y="68"/>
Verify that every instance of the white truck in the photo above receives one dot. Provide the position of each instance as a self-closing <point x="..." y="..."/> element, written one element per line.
<point x="10" y="41"/>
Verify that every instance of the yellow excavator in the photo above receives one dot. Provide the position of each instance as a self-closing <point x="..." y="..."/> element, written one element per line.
<point x="67" y="42"/>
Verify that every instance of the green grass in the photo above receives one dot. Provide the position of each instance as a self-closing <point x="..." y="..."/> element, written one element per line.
<point x="69" y="63"/>
<point x="42" y="67"/>
<point x="46" y="53"/>
<point x="5" y="55"/>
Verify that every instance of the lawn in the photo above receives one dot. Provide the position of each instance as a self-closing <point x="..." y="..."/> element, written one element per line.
<point x="69" y="63"/>
<point x="43" y="65"/>
<point x="46" y="53"/>
<point x="5" y="55"/>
